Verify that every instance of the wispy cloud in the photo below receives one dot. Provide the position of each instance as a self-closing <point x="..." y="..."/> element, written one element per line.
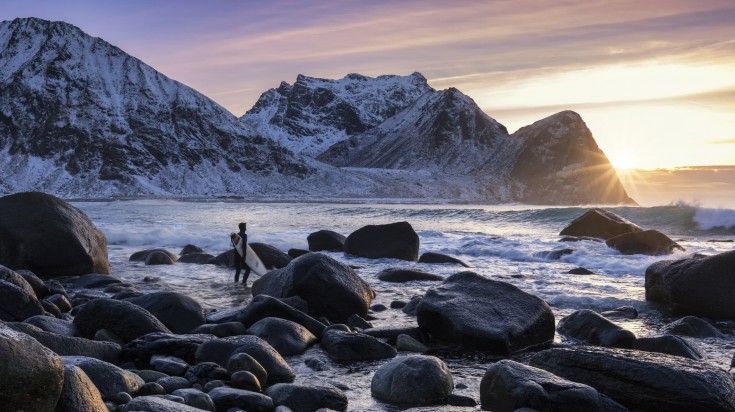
<point x="722" y="141"/>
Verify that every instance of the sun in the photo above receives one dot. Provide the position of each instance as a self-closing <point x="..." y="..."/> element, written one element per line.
<point x="623" y="161"/>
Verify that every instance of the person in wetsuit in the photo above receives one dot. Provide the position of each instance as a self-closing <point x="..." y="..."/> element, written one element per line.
<point x="240" y="260"/>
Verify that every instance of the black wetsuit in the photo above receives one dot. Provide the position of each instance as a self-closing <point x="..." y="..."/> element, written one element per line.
<point x="240" y="260"/>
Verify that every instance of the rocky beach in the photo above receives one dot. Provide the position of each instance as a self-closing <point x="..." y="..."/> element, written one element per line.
<point x="378" y="318"/>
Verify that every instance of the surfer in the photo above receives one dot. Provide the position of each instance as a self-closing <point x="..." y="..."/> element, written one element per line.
<point x="240" y="260"/>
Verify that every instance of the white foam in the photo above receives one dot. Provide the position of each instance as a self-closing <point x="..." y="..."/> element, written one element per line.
<point x="710" y="218"/>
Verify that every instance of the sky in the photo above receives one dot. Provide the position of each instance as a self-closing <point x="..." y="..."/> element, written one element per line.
<point x="654" y="80"/>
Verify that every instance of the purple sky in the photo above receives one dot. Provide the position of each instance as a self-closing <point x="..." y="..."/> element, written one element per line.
<point x="655" y="80"/>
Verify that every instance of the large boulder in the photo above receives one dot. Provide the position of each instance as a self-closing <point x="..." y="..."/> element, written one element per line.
<point x="592" y="328"/>
<point x="698" y="285"/>
<point x="599" y="223"/>
<point x="433" y="257"/>
<point x="648" y="242"/>
<point x="184" y="347"/>
<point x="287" y="337"/>
<point x="643" y="380"/>
<point x="264" y="306"/>
<point x="509" y="385"/>
<point x="225" y="398"/>
<point x="50" y="237"/>
<point x="271" y="256"/>
<point x="124" y="319"/>
<point x="394" y="240"/>
<point x="302" y="398"/>
<point x="180" y="313"/>
<point x="79" y="393"/>
<point x="326" y="240"/>
<point x="489" y="315"/>
<point x="32" y="376"/>
<point x="669" y="344"/>
<point x="70" y="345"/>
<point x="108" y="378"/>
<point x="17" y="303"/>
<point x="15" y="278"/>
<point x="142" y="255"/>
<point x="349" y="346"/>
<point x="331" y="289"/>
<point x="221" y="350"/>
<point x="398" y="275"/>
<point x="413" y="380"/>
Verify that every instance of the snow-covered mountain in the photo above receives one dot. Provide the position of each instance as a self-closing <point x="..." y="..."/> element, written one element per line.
<point x="81" y="118"/>
<point x="313" y="114"/>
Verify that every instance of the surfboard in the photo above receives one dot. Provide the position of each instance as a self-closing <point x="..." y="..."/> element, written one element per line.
<point x="251" y="259"/>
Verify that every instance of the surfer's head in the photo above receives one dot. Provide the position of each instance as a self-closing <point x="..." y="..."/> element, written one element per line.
<point x="242" y="226"/>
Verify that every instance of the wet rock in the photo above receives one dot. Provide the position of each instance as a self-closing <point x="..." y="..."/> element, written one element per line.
<point x="49" y="237"/>
<point x="189" y="249"/>
<point x="56" y="288"/>
<point x="50" y="308"/>
<point x="316" y="364"/>
<point x="407" y="343"/>
<point x="398" y="275"/>
<point x="157" y="404"/>
<point x="160" y="258"/>
<point x="461" y="401"/>
<point x="226" y="259"/>
<point x="53" y="325"/>
<point x="94" y="280"/>
<point x="623" y="312"/>
<point x="170" y="365"/>
<point x="431" y="257"/>
<point x="271" y="256"/>
<point x="649" y="242"/>
<point x="61" y="302"/>
<point x="264" y="306"/>
<point x="553" y="254"/>
<point x="17" y="303"/>
<point x="196" y="399"/>
<point x="326" y="240"/>
<point x="126" y="320"/>
<point x="16" y="279"/>
<point x="32" y="375"/>
<point x="203" y="372"/>
<point x="303" y="398"/>
<point x="141" y="349"/>
<point x="173" y="383"/>
<point x="38" y="286"/>
<point x="643" y="380"/>
<point x="413" y="380"/>
<point x="242" y="362"/>
<point x="151" y="388"/>
<point x="294" y="253"/>
<point x="330" y="288"/>
<point x="142" y="255"/>
<point x="391" y="334"/>
<point x="149" y="375"/>
<point x="356" y="322"/>
<point x="397" y="304"/>
<point x="198" y="258"/>
<point x="222" y="330"/>
<point x="220" y="351"/>
<point x="108" y="378"/>
<point x="246" y="380"/>
<point x="580" y="271"/>
<point x="590" y="327"/>
<point x="394" y="240"/>
<point x="178" y="312"/>
<point x="225" y="398"/>
<point x="79" y="393"/>
<point x="378" y="308"/>
<point x="669" y="344"/>
<point x="71" y="346"/>
<point x="599" y="223"/>
<point x="104" y="335"/>
<point x="692" y="326"/>
<point x="287" y="337"/>
<point x="698" y="285"/>
<point x="475" y="312"/>
<point x="412" y="306"/>
<point x="350" y="346"/>
<point x="508" y="386"/>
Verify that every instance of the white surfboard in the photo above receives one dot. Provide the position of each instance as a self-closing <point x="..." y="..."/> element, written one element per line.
<point x="251" y="259"/>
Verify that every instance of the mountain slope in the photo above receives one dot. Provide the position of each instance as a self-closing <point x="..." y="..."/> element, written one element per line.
<point x="313" y="114"/>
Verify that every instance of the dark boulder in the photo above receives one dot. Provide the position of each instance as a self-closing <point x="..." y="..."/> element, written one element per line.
<point x="17" y="303"/>
<point x="142" y="255"/>
<point x="472" y="311"/>
<point x="39" y="287"/>
<point x="108" y="378"/>
<point x="221" y="350"/>
<point x="592" y="328"/>
<point x="157" y="404"/>
<point x="294" y="253"/>
<point x="397" y="275"/>
<point x="303" y="398"/>
<point x="170" y="365"/>
<point x="670" y="345"/>
<point x="143" y="348"/>
<point x="203" y="372"/>
<point x="159" y="258"/>
<point x="32" y="375"/>
<point x="79" y="393"/>
<point x="124" y="319"/>
<point x="60" y="301"/>
<point x="264" y="306"/>
<point x="198" y="258"/>
<point x="221" y="330"/>
<point x="692" y="326"/>
<point x="94" y="280"/>
<point x="326" y="240"/>
<point x="580" y="271"/>
<point x="394" y="240"/>
<point x="69" y="345"/>
<point x="271" y="256"/>
<point x="226" y="398"/>
<point x="224" y="259"/>
<point x="698" y="285"/>
<point x="49" y="237"/>
<point x="287" y="337"/>
<point x="351" y="346"/>
<point x="553" y="254"/>
<point x="189" y="249"/>
<point x="330" y="288"/>
<point x="431" y="257"/>
<point x="246" y="380"/>
<point x="196" y="399"/>
<point x="242" y="362"/>
<point x="599" y="223"/>
<point x="508" y="386"/>
<point x="623" y="312"/>
<point x="173" y="383"/>
<point x="413" y="380"/>
<point x="180" y="313"/>
<point x="649" y="242"/>
<point x="643" y="380"/>
<point x="53" y="325"/>
<point x="15" y="278"/>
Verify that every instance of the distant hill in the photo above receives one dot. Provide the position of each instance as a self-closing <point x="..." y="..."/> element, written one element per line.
<point x="81" y="118"/>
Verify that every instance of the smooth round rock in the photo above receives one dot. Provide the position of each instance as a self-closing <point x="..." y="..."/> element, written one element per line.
<point x="287" y="337"/>
<point x="308" y="397"/>
<point x="413" y="380"/>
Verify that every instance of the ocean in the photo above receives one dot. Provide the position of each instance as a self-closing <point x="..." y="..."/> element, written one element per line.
<point x="499" y="242"/>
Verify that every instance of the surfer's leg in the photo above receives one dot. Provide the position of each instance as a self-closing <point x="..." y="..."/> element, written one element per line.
<point x="238" y="266"/>
<point x="246" y="274"/>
